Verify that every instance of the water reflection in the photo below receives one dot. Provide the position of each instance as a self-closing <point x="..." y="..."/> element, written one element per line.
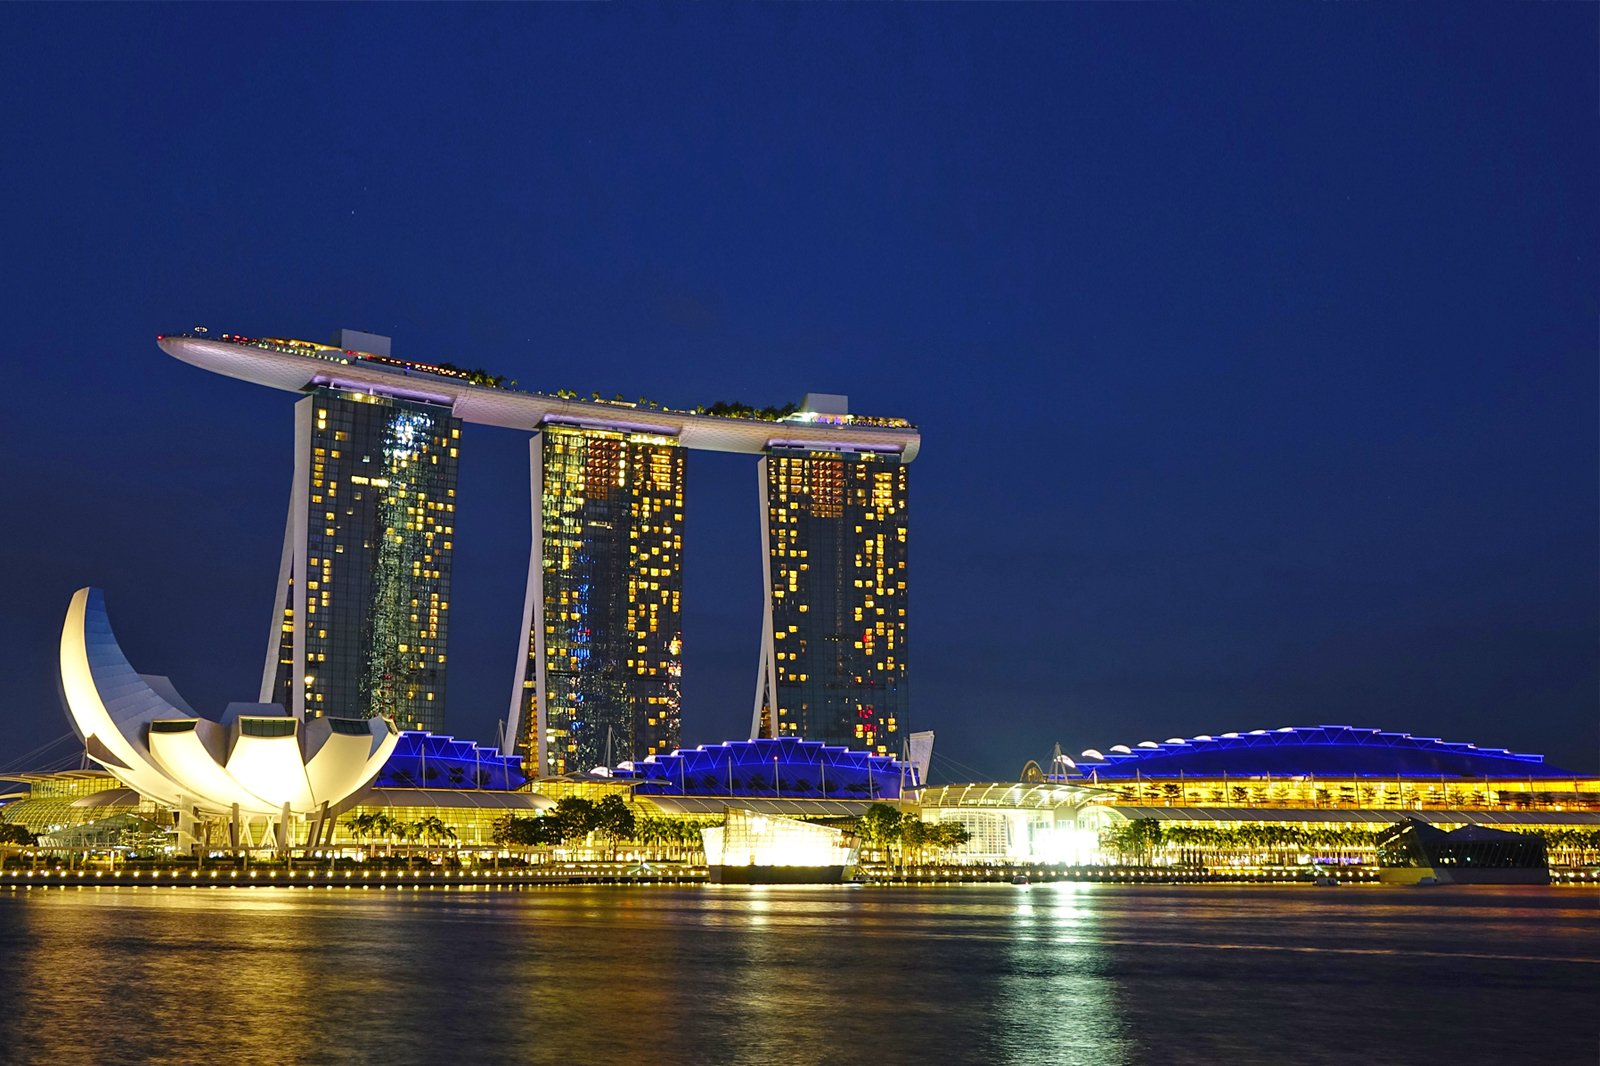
<point x="1055" y="1001"/>
<point x="999" y="973"/>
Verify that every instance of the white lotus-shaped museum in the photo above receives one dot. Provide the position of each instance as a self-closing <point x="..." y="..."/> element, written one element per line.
<point x="255" y="760"/>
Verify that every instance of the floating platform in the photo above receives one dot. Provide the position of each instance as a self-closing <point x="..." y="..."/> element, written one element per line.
<point x="777" y="875"/>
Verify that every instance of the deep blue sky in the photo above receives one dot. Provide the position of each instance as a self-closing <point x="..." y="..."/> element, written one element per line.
<point x="1254" y="349"/>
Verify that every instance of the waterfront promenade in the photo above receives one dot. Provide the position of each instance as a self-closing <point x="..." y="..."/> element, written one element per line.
<point x="623" y="873"/>
<point x="311" y="877"/>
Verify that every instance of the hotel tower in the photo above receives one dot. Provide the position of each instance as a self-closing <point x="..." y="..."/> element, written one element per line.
<point x="360" y="624"/>
<point x="833" y="651"/>
<point x="362" y="607"/>
<point x="599" y="681"/>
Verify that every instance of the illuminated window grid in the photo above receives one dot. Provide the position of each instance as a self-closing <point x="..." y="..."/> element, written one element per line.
<point x="1359" y="793"/>
<point x="612" y="516"/>
<point x="380" y="535"/>
<point x="837" y="538"/>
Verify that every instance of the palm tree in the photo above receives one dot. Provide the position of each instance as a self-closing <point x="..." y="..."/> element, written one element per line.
<point x="398" y="833"/>
<point x="689" y="838"/>
<point x="656" y="833"/>
<point x="360" y="825"/>
<point x="1135" y="840"/>
<point x="433" y="828"/>
<point x="388" y="828"/>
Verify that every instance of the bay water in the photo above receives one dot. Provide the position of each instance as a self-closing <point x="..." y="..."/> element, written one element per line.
<point x="1048" y="973"/>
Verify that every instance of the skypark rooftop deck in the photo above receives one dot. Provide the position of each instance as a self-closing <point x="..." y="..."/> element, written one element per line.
<point x="484" y="399"/>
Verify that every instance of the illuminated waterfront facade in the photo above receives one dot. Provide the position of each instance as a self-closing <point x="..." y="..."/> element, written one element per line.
<point x="755" y="848"/>
<point x="1320" y="797"/>
<point x="833" y="645"/>
<point x="362" y="609"/>
<point x="599" y="681"/>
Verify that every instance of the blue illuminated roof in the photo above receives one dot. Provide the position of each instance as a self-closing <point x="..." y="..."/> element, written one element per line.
<point x="784" y="767"/>
<point x="433" y="760"/>
<point x="1324" y="750"/>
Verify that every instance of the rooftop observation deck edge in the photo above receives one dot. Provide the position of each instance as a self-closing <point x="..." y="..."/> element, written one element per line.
<point x="293" y="370"/>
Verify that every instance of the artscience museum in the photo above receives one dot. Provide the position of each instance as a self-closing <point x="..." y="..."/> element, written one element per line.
<point x="254" y="761"/>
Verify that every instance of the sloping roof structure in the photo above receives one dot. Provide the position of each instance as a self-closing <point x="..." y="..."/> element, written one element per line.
<point x="1009" y="795"/>
<point x="1323" y="751"/>
<point x="778" y="768"/>
<point x="715" y="806"/>
<point x="427" y="760"/>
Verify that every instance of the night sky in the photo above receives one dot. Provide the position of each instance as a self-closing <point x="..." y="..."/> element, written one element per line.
<point x="1254" y="349"/>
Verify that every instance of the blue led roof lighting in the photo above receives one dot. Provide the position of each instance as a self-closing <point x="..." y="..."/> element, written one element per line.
<point x="1322" y="751"/>
<point x="433" y="760"/>
<point x="782" y="767"/>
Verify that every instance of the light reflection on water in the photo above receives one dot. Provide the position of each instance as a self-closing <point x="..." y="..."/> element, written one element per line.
<point x="1058" y="973"/>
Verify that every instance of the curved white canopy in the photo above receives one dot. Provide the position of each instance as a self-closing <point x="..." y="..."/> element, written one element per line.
<point x="140" y="730"/>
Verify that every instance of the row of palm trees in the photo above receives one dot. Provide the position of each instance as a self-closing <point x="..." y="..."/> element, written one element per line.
<point x="1140" y="840"/>
<point x="430" y="829"/>
<point x="1577" y="847"/>
<point x="1273" y="843"/>
<point x="578" y="823"/>
<point x="673" y="838"/>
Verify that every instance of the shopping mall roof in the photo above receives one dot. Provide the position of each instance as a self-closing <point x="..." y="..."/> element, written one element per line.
<point x="421" y="759"/>
<point x="716" y="806"/>
<point x="1007" y="794"/>
<point x="1333" y="816"/>
<point x="1300" y="751"/>
<point x="779" y="768"/>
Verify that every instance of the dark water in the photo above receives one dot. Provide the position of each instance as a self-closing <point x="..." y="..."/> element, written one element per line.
<point x="996" y="973"/>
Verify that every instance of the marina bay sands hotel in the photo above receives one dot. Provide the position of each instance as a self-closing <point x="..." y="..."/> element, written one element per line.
<point x="361" y="621"/>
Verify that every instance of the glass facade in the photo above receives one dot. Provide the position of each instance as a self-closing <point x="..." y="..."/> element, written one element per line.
<point x="748" y="838"/>
<point x="1416" y="844"/>
<point x="364" y="595"/>
<point x="1345" y="792"/>
<point x="834" y="649"/>
<point x="605" y="647"/>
